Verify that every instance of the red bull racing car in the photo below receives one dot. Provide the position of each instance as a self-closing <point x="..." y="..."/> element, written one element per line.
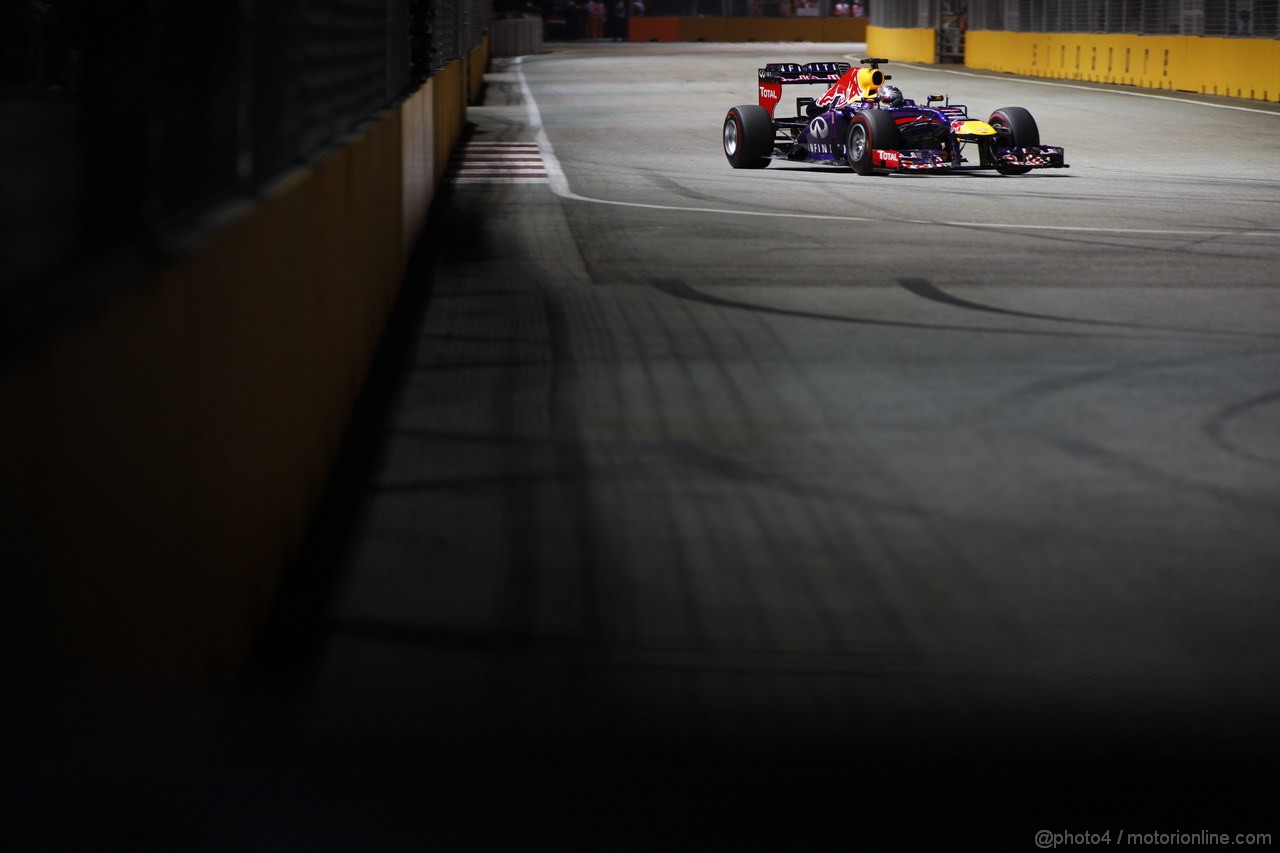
<point x="864" y="122"/>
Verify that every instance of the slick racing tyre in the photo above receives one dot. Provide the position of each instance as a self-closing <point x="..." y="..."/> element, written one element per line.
<point x="869" y="130"/>
<point x="748" y="137"/>
<point x="1015" y="128"/>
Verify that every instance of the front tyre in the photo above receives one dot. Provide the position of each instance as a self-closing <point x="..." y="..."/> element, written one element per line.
<point x="1015" y="128"/>
<point x="748" y="137"/>
<point x="869" y="130"/>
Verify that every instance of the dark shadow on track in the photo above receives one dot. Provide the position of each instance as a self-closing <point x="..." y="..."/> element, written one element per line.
<point x="285" y="655"/>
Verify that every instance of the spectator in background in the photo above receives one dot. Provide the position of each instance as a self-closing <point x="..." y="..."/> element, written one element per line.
<point x="637" y="9"/>
<point x="841" y="9"/>
<point x="595" y="19"/>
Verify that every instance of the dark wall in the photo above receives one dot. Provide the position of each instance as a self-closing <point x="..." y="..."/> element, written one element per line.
<point x="165" y="111"/>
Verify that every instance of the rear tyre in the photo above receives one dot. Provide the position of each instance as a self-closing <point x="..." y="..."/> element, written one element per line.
<point x="748" y="137"/>
<point x="1017" y="126"/>
<point x="869" y="130"/>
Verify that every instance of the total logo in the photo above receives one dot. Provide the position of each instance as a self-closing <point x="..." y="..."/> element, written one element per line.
<point x="819" y="127"/>
<point x="767" y="93"/>
<point x="889" y="159"/>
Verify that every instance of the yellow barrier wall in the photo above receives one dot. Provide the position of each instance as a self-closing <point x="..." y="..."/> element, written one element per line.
<point x="668" y="29"/>
<point x="449" y="115"/>
<point x="160" y="458"/>
<point x="417" y="121"/>
<point x="900" y="45"/>
<point x="1239" y="68"/>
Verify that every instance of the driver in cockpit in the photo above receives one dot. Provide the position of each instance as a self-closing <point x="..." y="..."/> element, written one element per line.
<point x="891" y="96"/>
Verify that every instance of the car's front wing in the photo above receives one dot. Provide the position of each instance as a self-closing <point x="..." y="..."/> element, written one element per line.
<point x="929" y="160"/>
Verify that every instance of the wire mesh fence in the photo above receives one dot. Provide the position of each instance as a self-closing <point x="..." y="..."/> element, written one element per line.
<point x="700" y="8"/>
<point x="123" y="121"/>
<point x="1218" y="18"/>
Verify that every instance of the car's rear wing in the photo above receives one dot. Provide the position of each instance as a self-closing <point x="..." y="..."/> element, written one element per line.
<point x="775" y="75"/>
<point x="810" y="72"/>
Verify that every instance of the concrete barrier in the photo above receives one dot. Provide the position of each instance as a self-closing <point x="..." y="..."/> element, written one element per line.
<point x="1238" y="68"/>
<point x="902" y="45"/>
<point x="417" y="124"/>
<point x="161" y="457"/>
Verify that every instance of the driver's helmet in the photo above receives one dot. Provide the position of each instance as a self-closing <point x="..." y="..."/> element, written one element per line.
<point x="890" y="95"/>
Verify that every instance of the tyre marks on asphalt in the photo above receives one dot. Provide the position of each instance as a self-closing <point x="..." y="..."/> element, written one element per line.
<point x="1240" y="428"/>
<point x="926" y="289"/>
<point x="477" y="162"/>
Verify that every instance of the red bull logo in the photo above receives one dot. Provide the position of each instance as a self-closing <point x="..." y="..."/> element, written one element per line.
<point x="853" y="86"/>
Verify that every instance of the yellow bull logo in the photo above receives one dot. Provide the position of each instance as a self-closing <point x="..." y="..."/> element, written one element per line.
<point x="969" y="129"/>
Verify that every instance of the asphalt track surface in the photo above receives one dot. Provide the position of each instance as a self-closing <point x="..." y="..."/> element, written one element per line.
<point x="790" y="509"/>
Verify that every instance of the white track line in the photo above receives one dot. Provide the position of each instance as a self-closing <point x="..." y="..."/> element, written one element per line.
<point x="559" y="183"/>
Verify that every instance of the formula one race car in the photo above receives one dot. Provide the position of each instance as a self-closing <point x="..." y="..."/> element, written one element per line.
<point x="864" y="122"/>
